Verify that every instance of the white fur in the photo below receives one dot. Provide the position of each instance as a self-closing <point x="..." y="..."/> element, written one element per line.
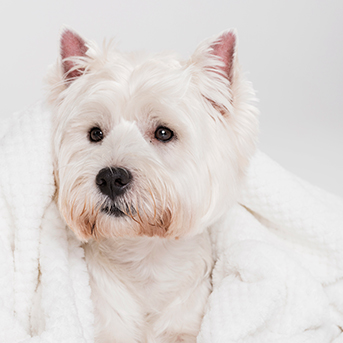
<point x="150" y="272"/>
<point x="149" y="289"/>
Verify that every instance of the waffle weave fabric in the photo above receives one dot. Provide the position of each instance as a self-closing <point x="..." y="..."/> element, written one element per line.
<point x="35" y="245"/>
<point x="279" y="263"/>
<point x="278" y="276"/>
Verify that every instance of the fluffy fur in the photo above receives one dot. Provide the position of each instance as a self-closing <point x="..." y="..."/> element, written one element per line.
<point x="150" y="268"/>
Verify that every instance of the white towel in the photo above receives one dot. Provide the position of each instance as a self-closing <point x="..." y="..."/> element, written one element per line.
<point x="278" y="275"/>
<point x="279" y="263"/>
<point x="35" y="243"/>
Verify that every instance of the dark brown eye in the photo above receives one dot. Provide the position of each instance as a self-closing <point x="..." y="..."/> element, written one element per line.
<point x="164" y="134"/>
<point x="95" y="134"/>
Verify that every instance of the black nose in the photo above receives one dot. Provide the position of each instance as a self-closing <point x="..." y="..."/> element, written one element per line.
<point x="113" y="181"/>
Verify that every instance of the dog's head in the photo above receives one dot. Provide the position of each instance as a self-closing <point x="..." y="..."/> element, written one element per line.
<point x="148" y="145"/>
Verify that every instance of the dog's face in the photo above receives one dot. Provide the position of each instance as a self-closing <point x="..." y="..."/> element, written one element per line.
<point x="148" y="145"/>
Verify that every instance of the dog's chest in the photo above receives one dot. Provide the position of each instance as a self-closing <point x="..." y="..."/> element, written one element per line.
<point x="155" y="271"/>
<point x="154" y="277"/>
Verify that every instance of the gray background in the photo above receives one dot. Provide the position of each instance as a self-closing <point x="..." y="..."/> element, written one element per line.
<point x="293" y="51"/>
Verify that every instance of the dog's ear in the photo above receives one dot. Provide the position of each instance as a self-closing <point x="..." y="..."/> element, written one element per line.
<point x="72" y="49"/>
<point x="218" y="54"/>
<point x="216" y="70"/>
<point x="224" y="47"/>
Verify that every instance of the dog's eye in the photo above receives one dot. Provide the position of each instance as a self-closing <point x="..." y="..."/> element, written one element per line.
<point x="164" y="134"/>
<point x="95" y="134"/>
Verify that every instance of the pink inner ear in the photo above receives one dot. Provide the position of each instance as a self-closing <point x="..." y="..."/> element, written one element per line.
<point x="72" y="45"/>
<point x="225" y="49"/>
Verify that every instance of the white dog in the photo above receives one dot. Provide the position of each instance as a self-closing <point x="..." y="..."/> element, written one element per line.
<point x="149" y="154"/>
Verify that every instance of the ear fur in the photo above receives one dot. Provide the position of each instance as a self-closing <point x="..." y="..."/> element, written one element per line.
<point x="218" y="77"/>
<point x="216" y="70"/>
<point x="218" y="54"/>
<point x="72" y="46"/>
<point x="224" y="47"/>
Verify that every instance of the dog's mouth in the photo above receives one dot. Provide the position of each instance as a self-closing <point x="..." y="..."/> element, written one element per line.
<point x="115" y="211"/>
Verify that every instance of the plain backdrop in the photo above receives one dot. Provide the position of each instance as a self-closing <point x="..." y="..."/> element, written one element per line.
<point x="292" y="50"/>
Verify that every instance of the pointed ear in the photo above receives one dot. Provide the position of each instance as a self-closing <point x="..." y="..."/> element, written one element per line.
<point x="71" y="45"/>
<point x="217" y="54"/>
<point x="224" y="47"/>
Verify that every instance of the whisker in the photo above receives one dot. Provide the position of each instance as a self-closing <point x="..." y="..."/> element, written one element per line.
<point x="139" y="216"/>
<point x="72" y="210"/>
<point x="153" y="199"/>
<point x="147" y="217"/>
<point x="131" y="216"/>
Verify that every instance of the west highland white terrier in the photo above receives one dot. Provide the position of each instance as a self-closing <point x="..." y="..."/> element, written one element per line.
<point x="149" y="155"/>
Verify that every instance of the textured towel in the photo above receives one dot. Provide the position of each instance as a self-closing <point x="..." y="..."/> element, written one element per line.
<point x="35" y="244"/>
<point x="278" y="275"/>
<point x="279" y="269"/>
